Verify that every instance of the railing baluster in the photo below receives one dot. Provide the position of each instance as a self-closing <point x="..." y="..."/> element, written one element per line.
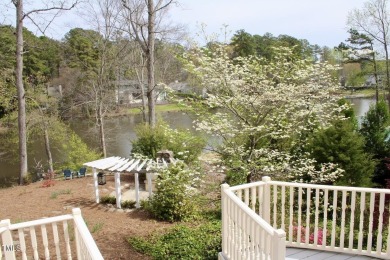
<point x="237" y="232"/>
<point x="275" y="202"/>
<point x="242" y="235"/>
<point x="261" y="197"/>
<point x="308" y="201"/>
<point x="343" y="207"/>
<point x="45" y="241"/>
<point x="371" y="222"/>
<point x="34" y="243"/>
<point x="325" y="229"/>
<point x="290" y="230"/>
<point x="22" y="243"/>
<point x="388" y="234"/>
<point x="228" y="239"/>
<point x="380" y="223"/>
<point x="333" y="238"/>
<point x="66" y="238"/>
<point x="246" y="191"/>
<point x="316" y="216"/>
<point x="267" y="249"/>
<point x="299" y="239"/>
<point x="239" y="194"/>
<point x="361" y="221"/>
<point x="352" y="221"/>
<point x="253" y="198"/>
<point x="262" y="244"/>
<point x="56" y="240"/>
<point x="283" y="214"/>
<point x="253" y="242"/>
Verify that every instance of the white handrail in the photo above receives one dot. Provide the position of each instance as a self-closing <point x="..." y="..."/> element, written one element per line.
<point x="245" y="235"/>
<point x="39" y="222"/>
<point x="86" y="241"/>
<point x="85" y="245"/>
<point x="338" y="188"/>
<point x="330" y="218"/>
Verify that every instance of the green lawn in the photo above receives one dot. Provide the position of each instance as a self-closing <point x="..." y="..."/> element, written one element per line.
<point x="160" y="108"/>
<point x="366" y="92"/>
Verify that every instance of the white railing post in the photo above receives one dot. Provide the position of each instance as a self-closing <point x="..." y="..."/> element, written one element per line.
<point x="136" y="180"/>
<point x="149" y="181"/>
<point x="279" y="245"/>
<point x="96" y="185"/>
<point x="266" y="199"/>
<point x="8" y="243"/>
<point x="76" y="212"/>
<point x="225" y="217"/>
<point x="85" y="245"/>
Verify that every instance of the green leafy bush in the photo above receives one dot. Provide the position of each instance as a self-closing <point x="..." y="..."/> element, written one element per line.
<point x="183" y="242"/>
<point x="126" y="204"/>
<point x="176" y="195"/>
<point x="184" y="144"/>
<point x="149" y="140"/>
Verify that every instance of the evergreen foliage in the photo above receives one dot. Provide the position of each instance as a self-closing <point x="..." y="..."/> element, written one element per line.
<point x="375" y="129"/>
<point x="341" y="144"/>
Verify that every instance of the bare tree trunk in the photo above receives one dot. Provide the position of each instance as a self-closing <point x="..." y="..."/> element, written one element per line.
<point x="387" y="73"/>
<point x="100" y="121"/>
<point x="21" y="93"/>
<point x="47" y="148"/>
<point x="375" y="75"/>
<point x="150" y="64"/>
<point x="144" y="102"/>
<point x="140" y="77"/>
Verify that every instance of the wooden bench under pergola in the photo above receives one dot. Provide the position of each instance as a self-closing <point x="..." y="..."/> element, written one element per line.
<point x="119" y="165"/>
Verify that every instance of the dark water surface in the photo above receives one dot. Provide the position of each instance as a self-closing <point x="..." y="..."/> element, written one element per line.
<point x="119" y="133"/>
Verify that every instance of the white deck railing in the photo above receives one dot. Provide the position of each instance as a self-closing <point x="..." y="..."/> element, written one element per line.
<point x="330" y="218"/>
<point x="69" y="238"/>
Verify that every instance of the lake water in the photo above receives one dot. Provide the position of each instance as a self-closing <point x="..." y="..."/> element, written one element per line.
<point x="120" y="132"/>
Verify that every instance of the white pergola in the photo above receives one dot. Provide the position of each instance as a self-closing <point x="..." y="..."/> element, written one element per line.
<point x="120" y="165"/>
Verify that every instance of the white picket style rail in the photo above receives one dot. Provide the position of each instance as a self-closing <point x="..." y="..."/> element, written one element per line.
<point x="350" y="220"/>
<point x="25" y="241"/>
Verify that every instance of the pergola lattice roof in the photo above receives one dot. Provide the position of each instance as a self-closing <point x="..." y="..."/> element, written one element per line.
<point x="120" y="165"/>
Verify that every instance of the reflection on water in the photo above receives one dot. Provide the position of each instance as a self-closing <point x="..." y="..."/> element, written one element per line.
<point x="120" y="133"/>
<point x="361" y="106"/>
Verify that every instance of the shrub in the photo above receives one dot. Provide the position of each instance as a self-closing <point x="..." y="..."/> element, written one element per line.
<point x="183" y="242"/>
<point x="149" y="140"/>
<point x="184" y="144"/>
<point x="176" y="195"/>
<point x="126" y="204"/>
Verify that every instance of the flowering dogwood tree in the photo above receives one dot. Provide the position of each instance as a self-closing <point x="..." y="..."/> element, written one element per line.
<point x="263" y="111"/>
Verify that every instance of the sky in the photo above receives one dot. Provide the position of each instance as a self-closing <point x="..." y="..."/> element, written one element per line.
<point x="322" y="22"/>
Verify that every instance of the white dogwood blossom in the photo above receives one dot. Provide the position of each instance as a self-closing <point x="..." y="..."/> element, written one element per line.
<point x="260" y="108"/>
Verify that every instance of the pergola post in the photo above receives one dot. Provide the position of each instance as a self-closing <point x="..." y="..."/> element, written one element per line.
<point x="136" y="180"/>
<point x="95" y="184"/>
<point x="118" y="189"/>
<point x="149" y="180"/>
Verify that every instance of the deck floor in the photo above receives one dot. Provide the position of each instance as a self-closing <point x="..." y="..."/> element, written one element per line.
<point x="309" y="254"/>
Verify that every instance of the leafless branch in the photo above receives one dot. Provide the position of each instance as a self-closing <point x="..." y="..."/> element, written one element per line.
<point x="60" y="8"/>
